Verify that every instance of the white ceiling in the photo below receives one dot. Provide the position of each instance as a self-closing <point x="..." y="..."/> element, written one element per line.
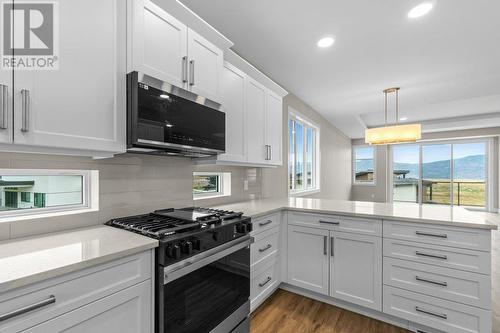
<point x="447" y="63"/>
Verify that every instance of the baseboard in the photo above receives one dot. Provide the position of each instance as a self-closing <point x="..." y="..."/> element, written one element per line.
<point x="347" y="306"/>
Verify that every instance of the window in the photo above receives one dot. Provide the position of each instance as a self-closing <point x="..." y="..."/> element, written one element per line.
<point x="364" y="165"/>
<point x="28" y="192"/>
<point x="448" y="173"/>
<point x="303" y="155"/>
<point x="211" y="184"/>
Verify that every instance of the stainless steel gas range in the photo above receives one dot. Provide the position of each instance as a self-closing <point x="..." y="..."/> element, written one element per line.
<point x="202" y="268"/>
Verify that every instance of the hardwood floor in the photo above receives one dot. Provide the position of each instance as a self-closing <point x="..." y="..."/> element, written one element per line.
<point x="285" y="312"/>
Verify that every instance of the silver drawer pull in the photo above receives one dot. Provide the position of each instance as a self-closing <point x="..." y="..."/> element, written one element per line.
<point x="262" y="224"/>
<point x="325" y="245"/>
<point x="262" y="284"/>
<point x="430" y="255"/>
<point x="432" y="313"/>
<point x="429" y="234"/>
<point x="29" y="308"/>
<point x="264" y="249"/>
<point x="329" y="222"/>
<point x="439" y="283"/>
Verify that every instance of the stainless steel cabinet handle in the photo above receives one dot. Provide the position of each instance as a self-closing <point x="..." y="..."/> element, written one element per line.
<point x="29" y="308"/>
<point x="332" y="251"/>
<point x="270" y="152"/>
<point x="432" y="313"/>
<point x="184" y="69"/>
<point x="4" y="105"/>
<point x="264" y="249"/>
<point x="267" y="153"/>
<point x="191" y="72"/>
<point x="262" y="284"/>
<point x="420" y="233"/>
<point x="430" y="255"/>
<point x="325" y="245"/>
<point x="329" y="222"/>
<point x="439" y="283"/>
<point x="262" y="224"/>
<point x="25" y="100"/>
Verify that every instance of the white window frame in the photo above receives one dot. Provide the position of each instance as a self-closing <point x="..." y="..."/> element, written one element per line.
<point x="90" y="195"/>
<point x="489" y="181"/>
<point x="224" y="185"/>
<point x="353" y="166"/>
<point x="316" y="176"/>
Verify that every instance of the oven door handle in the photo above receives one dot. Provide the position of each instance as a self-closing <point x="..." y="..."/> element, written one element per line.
<point x="177" y="270"/>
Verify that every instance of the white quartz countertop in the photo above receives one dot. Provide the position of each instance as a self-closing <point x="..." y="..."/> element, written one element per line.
<point x="28" y="260"/>
<point x="434" y="214"/>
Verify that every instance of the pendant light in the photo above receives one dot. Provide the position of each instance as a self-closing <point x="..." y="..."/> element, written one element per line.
<point x="394" y="133"/>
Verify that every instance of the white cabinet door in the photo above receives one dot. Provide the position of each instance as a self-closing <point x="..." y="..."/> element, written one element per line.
<point x="6" y="86"/>
<point x="356" y="269"/>
<point x="255" y="118"/>
<point x="127" y="311"/>
<point x="274" y="128"/>
<point x="233" y="102"/>
<point x="158" y="43"/>
<point x="82" y="104"/>
<point x="205" y="66"/>
<point x="308" y="258"/>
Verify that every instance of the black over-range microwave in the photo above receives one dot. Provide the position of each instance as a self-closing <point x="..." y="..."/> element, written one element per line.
<point x="165" y="119"/>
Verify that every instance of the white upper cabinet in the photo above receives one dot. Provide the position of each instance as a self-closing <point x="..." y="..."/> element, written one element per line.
<point x="233" y="102"/>
<point x="274" y="128"/>
<point x="164" y="48"/>
<point x="80" y="106"/>
<point x="159" y="43"/>
<point x="6" y="86"/>
<point x="257" y="151"/>
<point x="205" y="66"/>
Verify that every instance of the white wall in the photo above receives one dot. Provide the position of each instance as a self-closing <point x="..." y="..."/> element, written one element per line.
<point x="335" y="150"/>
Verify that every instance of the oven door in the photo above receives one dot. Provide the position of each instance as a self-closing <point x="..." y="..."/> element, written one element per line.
<point x="208" y="292"/>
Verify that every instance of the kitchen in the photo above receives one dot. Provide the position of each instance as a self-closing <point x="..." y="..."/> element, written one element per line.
<point x="319" y="215"/>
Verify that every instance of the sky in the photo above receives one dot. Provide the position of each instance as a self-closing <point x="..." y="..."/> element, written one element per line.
<point x="439" y="152"/>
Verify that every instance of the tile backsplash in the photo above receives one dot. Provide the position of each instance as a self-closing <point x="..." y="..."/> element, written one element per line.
<point x="128" y="184"/>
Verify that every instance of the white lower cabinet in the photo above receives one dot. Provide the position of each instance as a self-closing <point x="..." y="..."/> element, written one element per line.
<point x="345" y="266"/>
<point x="356" y="269"/>
<point x="127" y="311"/>
<point x="264" y="259"/>
<point x="308" y="259"/>
<point x="113" y="297"/>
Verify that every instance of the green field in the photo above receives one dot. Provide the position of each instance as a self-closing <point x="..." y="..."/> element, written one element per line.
<point x="469" y="192"/>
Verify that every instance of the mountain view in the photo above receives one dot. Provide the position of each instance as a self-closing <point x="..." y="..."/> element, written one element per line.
<point x="469" y="167"/>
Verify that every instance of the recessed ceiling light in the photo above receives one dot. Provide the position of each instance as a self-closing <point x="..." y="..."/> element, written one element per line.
<point x="165" y="96"/>
<point x="420" y="10"/>
<point x="403" y="118"/>
<point x="326" y="42"/>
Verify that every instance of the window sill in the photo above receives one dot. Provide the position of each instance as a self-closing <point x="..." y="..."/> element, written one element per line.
<point x="218" y="195"/>
<point x="304" y="193"/>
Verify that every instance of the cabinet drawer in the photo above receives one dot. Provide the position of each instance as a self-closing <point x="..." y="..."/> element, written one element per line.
<point x="264" y="279"/>
<point x="265" y="223"/>
<point x="463" y="259"/>
<point x="73" y="291"/>
<point x="450" y="284"/>
<point x="437" y="313"/>
<point x="265" y="244"/>
<point x="337" y="223"/>
<point x="475" y="239"/>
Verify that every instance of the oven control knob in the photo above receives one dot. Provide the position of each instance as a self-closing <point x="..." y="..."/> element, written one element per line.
<point x="241" y="228"/>
<point x="174" y="252"/>
<point x="196" y="244"/>
<point x="187" y="247"/>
